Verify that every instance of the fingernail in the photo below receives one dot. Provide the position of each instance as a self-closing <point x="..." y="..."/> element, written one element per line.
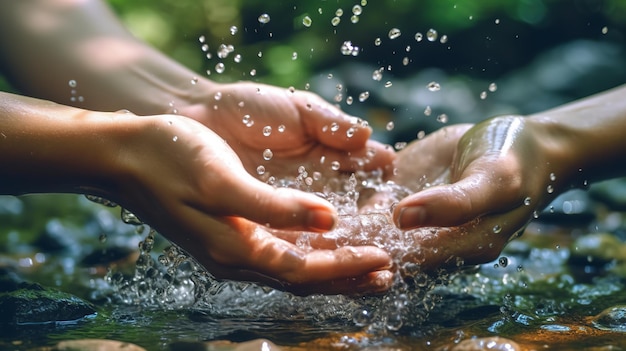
<point x="411" y="217"/>
<point x="321" y="220"/>
<point x="379" y="282"/>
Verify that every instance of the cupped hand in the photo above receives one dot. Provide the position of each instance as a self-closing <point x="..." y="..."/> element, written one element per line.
<point x="282" y="129"/>
<point x="187" y="183"/>
<point x="475" y="187"/>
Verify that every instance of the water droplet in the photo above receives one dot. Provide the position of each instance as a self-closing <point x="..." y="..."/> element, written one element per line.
<point x="428" y="111"/>
<point x="281" y="128"/>
<point x="267" y="154"/>
<point x="550" y="189"/>
<point x="175" y="138"/>
<point x="248" y="121"/>
<point x="264" y="18"/>
<point x="260" y="170"/>
<point x="419" y="36"/>
<point x="443" y="39"/>
<point x="535" y="214"/>
<point x="405" y="61"/>
<point x="527" y="201"/>
<point x="334" y="127"/>
<point x="421" y="134"/>
<point x="394" y="33"/>
<point x="377" y="41"/>
<point x="357" y="10"/>
<point x="294" y="55"/>
<point x="335" y="21"/>
<point x="552" y="176"/>
<point x="307" y="21"/>
<point x="483" y="95"/>
<point x="497" y="229"/>
<point x="363" y="2"/>
<point x="497" y="21"/>
<point x="364" y="96"/>
<point x="388" y="84"/>
<point x="350" y="132"/>
<point x="399" y="145"/>
<point x="493" y="87"/>
<point x="335" y="165"/>
<point x="233" y="30"/>
<point x="102" y="238"/>
<point x="377" y="75"/>
<point x="339" y="12"/>
<point x="431" y="35"/>
<point x="205" y="48"/>
<point x="219" y="68"/>
<point x="434" y="86"/>
<point x="237" y="58"/>
<point x="218" y="96"/>
<point x="442" y="118"/>
<point x="72" y="83"/>
<point x="354" y="19"/>
<point x="605" y="30"/>
<point x="349" y="100"/>
<point x="130" y="218"/>
<point x="390" y="125"/>
<point x="347" y="49"/>
<point x="267" y="130"/>
<point x="202" y="39"/>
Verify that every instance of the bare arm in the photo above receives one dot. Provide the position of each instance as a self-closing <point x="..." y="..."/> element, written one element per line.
<point x="47" y="43"/>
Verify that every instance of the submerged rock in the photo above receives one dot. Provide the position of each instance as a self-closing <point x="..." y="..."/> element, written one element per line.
<point x="613" y="319"/>
<point x="34" y="304"/>
<point x="492" y="343"/>
<point x="222" y="345"/>
<point x="96" y="345"/>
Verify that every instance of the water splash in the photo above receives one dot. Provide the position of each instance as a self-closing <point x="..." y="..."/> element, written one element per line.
<point x="173" y="279"/>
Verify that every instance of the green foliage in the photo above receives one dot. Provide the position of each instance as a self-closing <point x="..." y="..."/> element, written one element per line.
<point x="517" y="30"/>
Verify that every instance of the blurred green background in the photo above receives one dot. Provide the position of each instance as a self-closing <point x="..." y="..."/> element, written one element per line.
<point x="477" y="45"/>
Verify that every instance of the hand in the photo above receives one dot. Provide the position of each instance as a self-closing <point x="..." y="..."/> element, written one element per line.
<point x="186" y="182"/>
<point x="477" y="187"/>
<point x="298" y="127"/>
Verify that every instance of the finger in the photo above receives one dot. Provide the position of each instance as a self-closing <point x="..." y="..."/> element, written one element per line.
<point x="278" y="207"/>
<point x="332" y="127"/>
<point x="476" y="242"/>
<point x="286" y="262"/>
<point x="371" y="157"/>
<point x="457" y="203"/>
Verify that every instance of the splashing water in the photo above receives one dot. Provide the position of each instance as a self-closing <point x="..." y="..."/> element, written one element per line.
<point x="175" y="280"/>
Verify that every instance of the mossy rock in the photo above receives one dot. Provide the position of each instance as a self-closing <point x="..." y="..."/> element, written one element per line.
<point x="34" y="304"/>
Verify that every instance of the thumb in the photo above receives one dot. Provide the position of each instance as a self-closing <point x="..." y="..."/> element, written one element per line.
<point x="452" y="204"/>
<point x="280" y="208"/>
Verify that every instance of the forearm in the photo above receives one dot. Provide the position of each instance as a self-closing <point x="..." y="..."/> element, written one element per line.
<point x="587" y="136"/>
<point x="47" y="43"/>
<point x="46" y="147"/>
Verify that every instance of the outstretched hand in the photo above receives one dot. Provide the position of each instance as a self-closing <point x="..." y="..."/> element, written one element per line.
<point x="283" y="129"/>
<point x="188" y="184"/>
<point x="477" y="186"/>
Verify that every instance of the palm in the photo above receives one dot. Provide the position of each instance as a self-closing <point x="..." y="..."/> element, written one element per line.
<point x="282" y="129"/>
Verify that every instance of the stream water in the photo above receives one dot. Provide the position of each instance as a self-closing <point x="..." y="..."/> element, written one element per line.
<point x="544" y="292"/>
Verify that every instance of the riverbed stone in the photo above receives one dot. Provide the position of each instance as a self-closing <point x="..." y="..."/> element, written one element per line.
<point x="224" y="345"/>
<point x="491" y="343"/>
<point x="96" y="345"/>
<point x="34" y="304"/>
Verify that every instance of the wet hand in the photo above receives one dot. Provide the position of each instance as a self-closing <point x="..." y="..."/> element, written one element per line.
<point x="187" y="183"/>
<point x="283" y="129"/>
<point x="475" y="187"/>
